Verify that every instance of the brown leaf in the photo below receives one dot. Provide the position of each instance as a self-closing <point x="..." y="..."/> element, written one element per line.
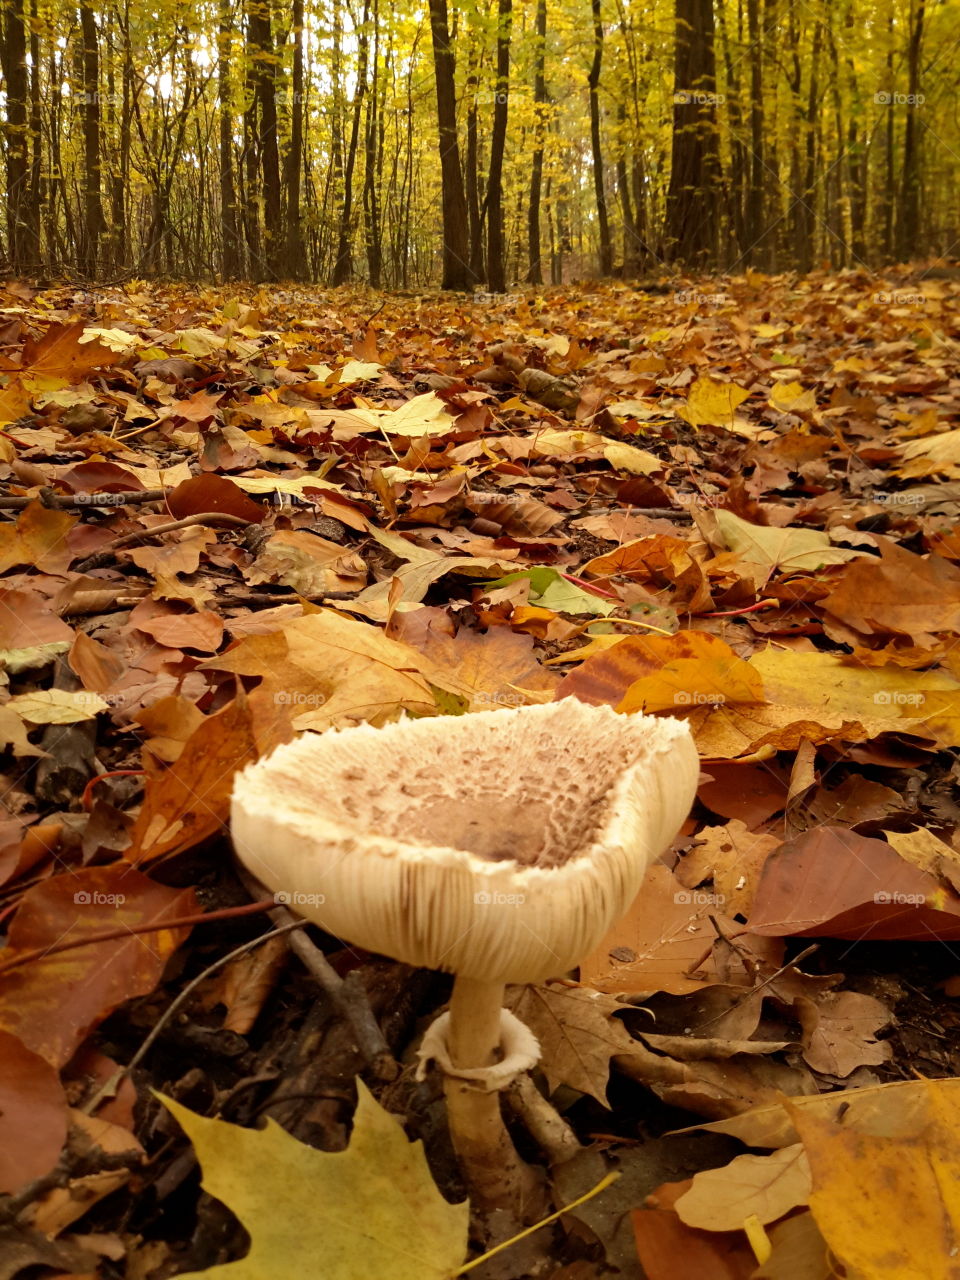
<point x="190" y="801"/>
<point x="38" y="539"/>
<point x="660" y="673"/>
<point x="210" y="492"/>
<point x="839" y="884"/>
<point x="33" y="1114"/>
<point x="59" y="353"/>
<point x="202" y="632"/>
<point x="577" y="1035"/>
<point x="664" y="937"/>
<point x="54" y="1002"/>
<point x="900" y="594"/>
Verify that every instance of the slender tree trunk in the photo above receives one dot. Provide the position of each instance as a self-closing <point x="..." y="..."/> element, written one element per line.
<point x="293" y="162"/>
<point x="93" y="219"/>
<point x="599" y="186"/>
<point x="456" y="266"/>
<point x="21" y="251"/>
<point x="230" y="252"/>
<point x="535" y="272"/>
<point x="908" y="223"/>
<point x="755" y="219"/>
<point x="343" y="266"/>
<point x="472" y="180"/>
<point x="496" y="270"/>
<point x="691" y="228"/>
<point x="371" y="204"/>
<point x="34" y="211"/>
<point x="261" y="42"/>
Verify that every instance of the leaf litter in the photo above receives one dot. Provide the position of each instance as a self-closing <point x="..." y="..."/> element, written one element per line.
<point x="228" y="519"/>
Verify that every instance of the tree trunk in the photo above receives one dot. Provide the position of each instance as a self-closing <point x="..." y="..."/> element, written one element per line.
<point x="343" y="265"/>
<point x="21" y="247"/>
<point x="371" y="203"/>
<point x="691" y="227"/>
<point x="496" y="270"/>
<point x="535" y="271"/>
<point x="293" y="251"/>
<point x="260" y="39"/>
<point x="603" y="222"/>
<point x="908" y="223"/>
<point x="456" y="266"/>
<point x="472" y="181"/>
<point x="93" y="219"/>
<point x="230" y="257"/>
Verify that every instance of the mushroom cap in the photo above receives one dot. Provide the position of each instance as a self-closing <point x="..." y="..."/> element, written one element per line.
<point x="499" y="845"/>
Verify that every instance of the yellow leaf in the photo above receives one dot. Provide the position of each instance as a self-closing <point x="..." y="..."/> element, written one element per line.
<point x="788" y="549"/>
<point x="372" y="1210"/>
<point x="57" y="706"/>
<point x="627" y="457"/>
<point x="762" y="1187"/>
<point x="711" y="403"/>
<point x="890" y="1204"/>
<point x="790" y="397"/>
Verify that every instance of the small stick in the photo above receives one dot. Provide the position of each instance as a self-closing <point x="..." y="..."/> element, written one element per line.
<point x="69" y="502"/>
<point x="109" y="1087"/>
<point x="103" y="556"/>
<point x="111" y="935"/>
<point x="346" y="994"/>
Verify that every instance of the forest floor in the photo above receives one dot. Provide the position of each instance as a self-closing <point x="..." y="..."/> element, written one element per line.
<point x="232" y="514"/>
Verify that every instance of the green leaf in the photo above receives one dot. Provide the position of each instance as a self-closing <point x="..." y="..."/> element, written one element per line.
<point x="372" y="1210"/>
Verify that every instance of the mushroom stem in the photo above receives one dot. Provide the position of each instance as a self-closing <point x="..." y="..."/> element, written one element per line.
<point x="496" y="1177"/>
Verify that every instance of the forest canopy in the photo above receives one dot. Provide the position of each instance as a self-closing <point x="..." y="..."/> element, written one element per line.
<point x="475" y="144"/>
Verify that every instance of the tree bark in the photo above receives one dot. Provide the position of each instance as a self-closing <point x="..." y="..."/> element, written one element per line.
<point x="293" y="251"/>
<point x="496" y="269"/>
<point x="599" y="186"/>
<point x="456" y="265"/>
<point x="343" y="265"/>
<point x="21" y="241"/>
<point x="908" y="223"/>
<point x="230" y="250"/>
<point x="535" y="271"/>
<point x="692" y="223"/>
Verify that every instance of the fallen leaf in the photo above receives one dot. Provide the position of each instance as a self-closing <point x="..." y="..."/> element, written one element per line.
<point x="370" y="1210"/>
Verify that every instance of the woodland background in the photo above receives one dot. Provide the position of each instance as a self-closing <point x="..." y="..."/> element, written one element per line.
<point x="476" y="143"/>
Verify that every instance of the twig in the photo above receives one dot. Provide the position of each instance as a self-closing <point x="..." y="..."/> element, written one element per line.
<point x="346" y="994"/>
<point x="109" y="1088"/>
<point x="760" y="985"/>
<point x="105" y="553"/>
<point x="71" y="502"/>
<point x="111" y="935"/>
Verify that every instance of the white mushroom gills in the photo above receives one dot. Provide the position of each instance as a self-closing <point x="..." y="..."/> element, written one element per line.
<point x="498" y="846"/>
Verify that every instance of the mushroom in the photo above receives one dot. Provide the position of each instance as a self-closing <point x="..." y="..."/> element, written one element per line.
<point x="498" y="846"/>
